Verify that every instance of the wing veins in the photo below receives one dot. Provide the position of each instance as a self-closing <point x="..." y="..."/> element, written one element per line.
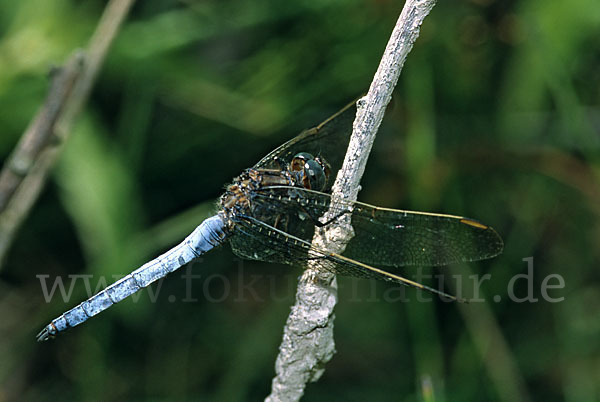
<point x="391" y="237"/>
<point x="349" y="266"/>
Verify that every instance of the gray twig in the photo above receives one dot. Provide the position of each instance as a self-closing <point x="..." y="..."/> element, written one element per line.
<point x="39" y="133"/>
<point x="24" y="174"/>
<point x="307" y="343"/>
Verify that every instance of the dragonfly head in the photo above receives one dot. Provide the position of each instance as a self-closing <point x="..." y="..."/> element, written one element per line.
<point x="312" y="172"/>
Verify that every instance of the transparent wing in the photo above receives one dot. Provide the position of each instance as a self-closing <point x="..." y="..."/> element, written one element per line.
<point x="272" y="244"/>
<point x="329" y="139"/>
<point x="387" y="237"/>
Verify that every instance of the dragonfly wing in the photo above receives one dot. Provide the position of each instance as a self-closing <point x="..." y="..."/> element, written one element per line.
<point x="386" y="236"/>
<point x="330" y="139"/>
<point x="257" y="240"/>
<point x="275" y="245"/>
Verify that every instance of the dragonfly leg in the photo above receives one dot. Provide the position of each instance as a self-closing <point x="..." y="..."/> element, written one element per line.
<point x="316" y="220"/>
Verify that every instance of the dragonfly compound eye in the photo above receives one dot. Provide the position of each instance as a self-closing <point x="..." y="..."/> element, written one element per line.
<point x="313" y="172"/>
<point x="299" y="160"/>
<point x="314" y="176"/>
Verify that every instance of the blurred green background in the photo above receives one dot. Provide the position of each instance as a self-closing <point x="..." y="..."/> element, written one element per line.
<point x="496" y="116"/>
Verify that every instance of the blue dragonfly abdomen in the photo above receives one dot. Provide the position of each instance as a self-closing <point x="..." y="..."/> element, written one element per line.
<point x="205" y="237"/>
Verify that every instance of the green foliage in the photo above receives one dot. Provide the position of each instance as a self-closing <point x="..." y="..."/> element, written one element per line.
<point x="495" y="117"/>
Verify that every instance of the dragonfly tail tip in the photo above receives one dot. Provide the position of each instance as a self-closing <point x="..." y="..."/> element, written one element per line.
<point x="47" y="333"/>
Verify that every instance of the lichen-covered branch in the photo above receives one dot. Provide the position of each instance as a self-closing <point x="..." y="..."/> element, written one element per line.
<point x="308" y="343"/>
<point x="25" y="173"/>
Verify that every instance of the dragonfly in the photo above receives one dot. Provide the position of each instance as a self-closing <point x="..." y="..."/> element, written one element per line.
<point x="271" y="211"/>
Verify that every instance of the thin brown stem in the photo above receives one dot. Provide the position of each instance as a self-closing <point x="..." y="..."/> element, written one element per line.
<point x="26" y="171"/>
<point x="39" y="133"/>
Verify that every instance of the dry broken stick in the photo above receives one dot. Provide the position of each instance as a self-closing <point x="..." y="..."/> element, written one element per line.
<point x="307" y="343"/>
<point x="40" y="131"/>
<point x="25" y="174"/>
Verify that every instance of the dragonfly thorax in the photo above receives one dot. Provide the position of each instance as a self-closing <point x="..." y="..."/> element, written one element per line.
<point x="236" y="197"/>
<point x="304" y="171"/>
